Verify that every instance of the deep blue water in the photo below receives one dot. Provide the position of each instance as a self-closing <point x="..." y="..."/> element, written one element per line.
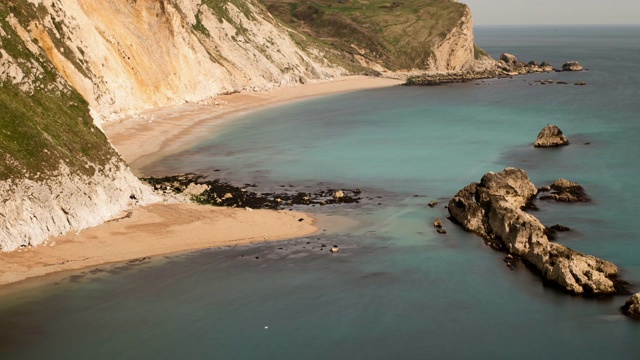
<point x="396" y="290"/>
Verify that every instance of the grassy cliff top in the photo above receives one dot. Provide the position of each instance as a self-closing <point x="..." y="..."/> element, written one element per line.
<point x="43" y="121"/>
<point x="396" y="34"/>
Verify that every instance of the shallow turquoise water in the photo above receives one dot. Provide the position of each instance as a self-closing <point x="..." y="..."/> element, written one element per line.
<point x="396" y="289"/>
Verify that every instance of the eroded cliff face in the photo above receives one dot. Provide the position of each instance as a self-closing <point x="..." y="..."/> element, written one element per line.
<point x="125" y="56"/>
<point x="34" y="210"/>
<point x="58" y="172"/>
<point x="455" y="51"/>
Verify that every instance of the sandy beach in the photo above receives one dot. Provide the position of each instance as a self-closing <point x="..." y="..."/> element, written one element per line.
<point x="153" y="230"/>
<point x="170" y="228"/>
<point x="143" y="138"/>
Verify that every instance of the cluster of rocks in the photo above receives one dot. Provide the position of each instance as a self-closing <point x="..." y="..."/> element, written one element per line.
<point x="509" y="65"/>
<point x="220" y="193"/>
<point x="493" y="209"/>
<point x="551" y="81"/>
<point x="448" y="78"/>
<point x="565" y="191"/>
<point x="437" y="223"/>
<point x="568" y="191"/>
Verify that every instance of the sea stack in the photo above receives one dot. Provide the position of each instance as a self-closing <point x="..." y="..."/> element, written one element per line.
<point x="493" y="209"/>
<point x="551" y="136"/>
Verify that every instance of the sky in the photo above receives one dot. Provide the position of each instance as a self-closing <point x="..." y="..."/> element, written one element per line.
<point x="556" y="12"/>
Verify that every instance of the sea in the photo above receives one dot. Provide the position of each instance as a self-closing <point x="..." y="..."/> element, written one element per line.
<point x="396" y="289"/>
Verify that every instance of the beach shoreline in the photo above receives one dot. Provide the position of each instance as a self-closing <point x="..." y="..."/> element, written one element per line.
<point x="144" y="138"/>
<point x="161" y="229"/>
<point x="153" y="230"/>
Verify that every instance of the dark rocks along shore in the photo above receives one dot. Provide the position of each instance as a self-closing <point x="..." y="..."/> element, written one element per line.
<point x="220" y="193"/>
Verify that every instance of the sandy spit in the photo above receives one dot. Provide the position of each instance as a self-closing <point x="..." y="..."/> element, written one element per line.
<point x="153" y="230"/>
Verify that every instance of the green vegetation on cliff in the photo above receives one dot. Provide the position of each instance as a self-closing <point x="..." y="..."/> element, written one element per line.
<point x="44" y="122"/>
<point x="397" y="34"/>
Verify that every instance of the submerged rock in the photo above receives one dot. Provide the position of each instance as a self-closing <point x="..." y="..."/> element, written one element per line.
<point x="552" y="231"/>
<point x="551" y="136"/>
<point x="492" y="209"/>
<point x="560" y="228"/>
<point x="632" y="306"/>
<point x="571" y="66"/>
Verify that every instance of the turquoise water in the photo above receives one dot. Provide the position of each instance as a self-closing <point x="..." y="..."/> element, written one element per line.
<point x="396" y="290"/>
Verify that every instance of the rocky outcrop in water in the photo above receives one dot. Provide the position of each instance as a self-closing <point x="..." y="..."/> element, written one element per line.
<point x="551" y="136"/>
<point x="493" y="209"/>
<point x="572" y="66"/>
<point x="632" y="306"/>
<point x="509" y="65"/>
<point x="565" y="191"/>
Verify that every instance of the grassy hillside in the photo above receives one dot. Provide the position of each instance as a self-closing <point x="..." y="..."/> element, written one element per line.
<point x="43" y="122"/>
<point x="397" y="34"/>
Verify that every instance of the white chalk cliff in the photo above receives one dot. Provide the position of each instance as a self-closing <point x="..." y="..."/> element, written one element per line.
<point x="125" y="56"/>
<point x="455" y="51"/>
<point x="35" y="210"/>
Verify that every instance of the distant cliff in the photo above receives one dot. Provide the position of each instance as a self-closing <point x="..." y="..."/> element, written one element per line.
<point x="68" y="65"/>
<point x="386" y="35"/>
<point x="126" y="56"/>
